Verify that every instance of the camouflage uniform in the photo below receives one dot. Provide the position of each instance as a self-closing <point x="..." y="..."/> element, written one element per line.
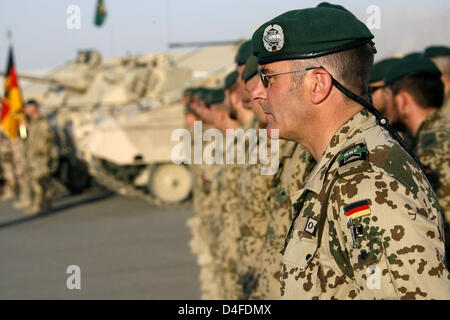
<point x="433" y="150"/>
<point x="38" y="149"/>
<point x="254" y="191"/>
<point x="295" y="165"/>
<point x="392" y="247"/>
<point x="200" y="225"/>
<point x="226" y="227"/>
<point x="446" y="105"/>
<point x="23" y="181"/>
<point x="8" y="168"/>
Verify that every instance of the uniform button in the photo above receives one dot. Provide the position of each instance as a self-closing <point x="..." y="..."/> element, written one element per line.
<point x="308" y="256"/>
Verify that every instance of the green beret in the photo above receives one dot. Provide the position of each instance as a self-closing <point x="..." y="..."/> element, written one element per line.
<point x="380" y="69"/>
<point x="250" y="69"/>
<point x="436" y="51"/>
<point x="189" y="90"/>
<point x="230" y="79"/>
<point x="410" y="65"/>
<point x="334" y="6"/>
<point x="215" y="96"/>
<point x="308" y="33"/>
<point x="244" y="51"/>
<point x="202" y="93"/>
<point x="212" y="96"/>
<point x="414" y="55"/>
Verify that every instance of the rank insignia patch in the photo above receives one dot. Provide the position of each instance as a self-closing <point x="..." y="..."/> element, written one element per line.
<point x="358" y="152"/>
<point x="357" y="209"/>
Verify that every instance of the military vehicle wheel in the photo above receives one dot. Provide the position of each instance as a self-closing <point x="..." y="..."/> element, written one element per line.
<point x="170" y="183"/>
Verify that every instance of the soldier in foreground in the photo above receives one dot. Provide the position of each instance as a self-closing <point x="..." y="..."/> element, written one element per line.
<point x="414" y="97"/>
<point x="367" y="223"/>
<point x="38" y="150"/>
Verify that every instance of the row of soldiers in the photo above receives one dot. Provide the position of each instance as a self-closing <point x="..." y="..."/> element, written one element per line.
<point x="262" y="236"/>
<point x="242" y="218"/>
<point x="26" y="162"/>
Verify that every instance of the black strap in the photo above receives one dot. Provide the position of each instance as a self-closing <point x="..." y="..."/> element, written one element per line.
<point x="380" y="119"/>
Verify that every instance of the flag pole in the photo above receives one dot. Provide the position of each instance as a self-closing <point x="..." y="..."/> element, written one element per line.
<point x="9" y="36"/>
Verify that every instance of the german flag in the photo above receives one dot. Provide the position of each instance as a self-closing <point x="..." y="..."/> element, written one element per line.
<point x="12" y="111"/>
<point x="357" y="209"/>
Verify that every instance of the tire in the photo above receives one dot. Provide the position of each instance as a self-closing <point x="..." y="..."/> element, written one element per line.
<point x="170" y="182"/>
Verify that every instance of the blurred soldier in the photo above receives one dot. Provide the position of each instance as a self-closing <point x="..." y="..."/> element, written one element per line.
<point x="265" y="225"/>
<point x="38" y="150"/>
<point x="367" y="224"/>
<point x="203" y="194"/>
<point x="23" y="181"/>
<point x="228" y="177"/>
<point x="254" y="190"/>
<point x="378" y="95"/>
<point x="440" y="55"/>
<point x="415" y="95"/>
<point x="240" y="99"/>
<point x="9" y="171"/>
<point x="295" y="165"/>
<point x="376" y="83"/>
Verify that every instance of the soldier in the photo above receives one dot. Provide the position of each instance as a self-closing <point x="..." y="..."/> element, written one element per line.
<point x="203" y="194"/>
<point x="254" y="189"/>
<point x="367" y="224"/>
<point x="440" y="55"/>
<point x="376" y="83"/>
<point x="38" y="150"/>
<point x="415" y="94"/>
<point x="8" y="168"/>
<point x="227" y="178"/>
<point x="23" y="181"/>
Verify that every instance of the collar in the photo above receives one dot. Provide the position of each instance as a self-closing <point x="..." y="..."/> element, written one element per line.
<point x="343" y="138"/>
<point x="428" y="122"/>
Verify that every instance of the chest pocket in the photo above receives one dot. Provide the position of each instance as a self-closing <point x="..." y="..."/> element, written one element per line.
<point x="299" y="253"/>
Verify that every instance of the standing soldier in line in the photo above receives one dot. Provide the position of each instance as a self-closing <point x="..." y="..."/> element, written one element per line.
<point x="23" y="181"/>
<point x="367" y="224"/>
<point x="204" y="201"/>
<point x="295" y="165"/>
<point x="440" y="55"/>
<point x="255" y="186"/>
<point x="228" y="177"/>
<point x="8" y="168"/>
<point x="415" y="94"/>
<point x="376" y="83"/>
<point x="38" y="150"/>
<point x="197" y="243"/>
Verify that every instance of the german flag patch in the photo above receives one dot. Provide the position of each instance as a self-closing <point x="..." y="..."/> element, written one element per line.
<point x="357" y="209"/>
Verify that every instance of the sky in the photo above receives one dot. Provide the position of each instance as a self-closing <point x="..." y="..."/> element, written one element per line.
<point x="42" y="39"/>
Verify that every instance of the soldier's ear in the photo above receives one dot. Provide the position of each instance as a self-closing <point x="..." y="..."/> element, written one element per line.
<point x="321" y="84"/>
<point x="402" y="101"/>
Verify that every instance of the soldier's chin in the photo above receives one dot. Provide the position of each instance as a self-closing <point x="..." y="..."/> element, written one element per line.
<point x="399" y="126"/>
<point x="272" y="133"/>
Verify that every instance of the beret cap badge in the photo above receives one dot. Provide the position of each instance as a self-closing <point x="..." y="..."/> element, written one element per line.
<point x="273" y="38"/>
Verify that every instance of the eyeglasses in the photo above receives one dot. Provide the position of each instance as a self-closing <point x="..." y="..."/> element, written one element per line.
<point x="265" y="77"/>
<point x="373" y="89"/>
